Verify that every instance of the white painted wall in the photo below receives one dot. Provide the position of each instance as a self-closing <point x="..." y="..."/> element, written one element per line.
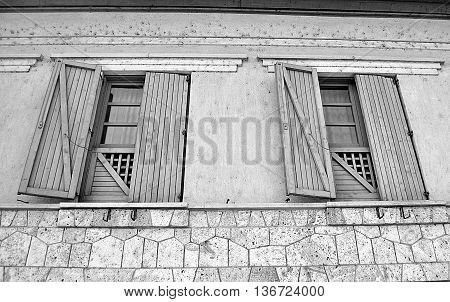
<point x="249" y="93"/>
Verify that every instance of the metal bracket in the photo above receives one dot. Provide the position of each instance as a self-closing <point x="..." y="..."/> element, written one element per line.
<point x="426" y="194"/>
<point x="410" y="133"/>
<point x="380" y="213"/>
<point x="133" y="214"/>
<point x="402" y="213"/>
<point x="108" y="216"/>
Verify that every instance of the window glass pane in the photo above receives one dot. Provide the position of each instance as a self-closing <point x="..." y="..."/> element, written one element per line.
<point x="122" y="114"/>
<point x="335" y="115"/>
<point x="126" y="95"/>
<point x="119" y="135"/>
<point x="334" y="95"/>
<point x="342" y="136"/>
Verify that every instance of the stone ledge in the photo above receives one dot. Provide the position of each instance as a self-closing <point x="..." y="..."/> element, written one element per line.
<point x="18" y="62"/>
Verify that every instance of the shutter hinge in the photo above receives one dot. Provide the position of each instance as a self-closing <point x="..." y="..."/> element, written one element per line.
<point x="410" y="133"/>
<point x="188" y="78"/>
<point x="427" y="195"/>
<point x="396" y="81"/>
<point x="183" y="132"/>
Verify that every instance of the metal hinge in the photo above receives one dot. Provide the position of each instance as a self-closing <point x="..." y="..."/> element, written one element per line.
<point x="285" y="126"/>
<point x="188" y="78"/>
<point x="183" y="132"/>
<point x="410" y="133"/>
<point x="426" y="194"/>
<point x="396" y="81"/>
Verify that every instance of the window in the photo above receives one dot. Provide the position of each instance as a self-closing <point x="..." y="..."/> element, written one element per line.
<point x="138" y="128"/>
<point x="346" y="139"/>
<point x="353" y="172"/>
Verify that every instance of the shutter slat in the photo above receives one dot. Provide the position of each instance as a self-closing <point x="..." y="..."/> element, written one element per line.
<point x="52" y="169"/>
<point x="307" y="158"/>
<point x="155" y="170"/>
<point x="64" y="118"/>
<point x="396" y="166"/>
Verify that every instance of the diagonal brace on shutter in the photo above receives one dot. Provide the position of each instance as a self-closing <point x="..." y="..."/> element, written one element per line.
<point x="67" y="170"/>
<point x="113" y="173"/>
<point x="306" y="130"/>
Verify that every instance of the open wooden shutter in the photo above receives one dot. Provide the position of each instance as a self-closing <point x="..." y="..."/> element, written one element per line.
<point x="59" y="147"/>
<point x="158" y="165"/>
<point x="306" y="152"/>
<point x="396" y="166"/>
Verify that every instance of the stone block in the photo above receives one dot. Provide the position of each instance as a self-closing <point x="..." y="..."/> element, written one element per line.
<point x="368" y="231"/>
<point x="180" y="218"/>
<point x="214" y="252"/>
<point x="96" y="234"/>
<point x="191" y="255"/>
<point x="14" y="249"/>
<point x="79" y="254"/>
<point x="442" y="248"/>
<point x="413" y="272"/>
<point x="313" y="250"/>
<point x="50" y="235"/>
<point x="343" y="273"/>
<point x="409" y="233"/>
<point x="58" y="255"/>
<point x="237" y="255"/>
<point x="133" y="252"/>
<point x="423" y="251"/>
<point x="49" y="219"/>
<point x="384" y="251"/>
<point x="57" y="274"/>
<point x="213" y="218"/>
<point x="379" y="273"/>
<point x="286" y="218"/>
<point x="108" y="275"/>
<point x="6" y="232"/>
<point x="156" y="234"/>
<point x="288" y="273"/>
<point x="335" y="216"/>
<point x="390" y="232"/>
<point x="74" y="235"/>
<point x="183" y="235"/>
<point x="106" y="252"/>
<point x="25" y="274"/>
<point x="7" y="218"/>
<point x="37" y="252"/>
<point x="432" y="231"/>
<point x="123" y="234"/>
<point x="83" y="217"/>
<point x="183" y="274"/>
<point x="403" y="253"/>
<point x="242" y="218"/>
<point x="66" y="218"/>
<point x="250" y="237"/>
<point x="288" y="235"/>
<point x="256" y="219"/>
<point x="312" y="274"/>
<point x="223" y="233"/>
<point x="346" y="247"/>
<point x="199" y="235"/>
<point x="234" y="274"/>
<point x="365" y="250"/>
<point x="271" y="217"/>
<point x="317" y="217"/>
<point x="436" y="271"/>
<point x="352" y="216"/>
<point x="150" y="253"/>
<point x="332" y="230"/>
<point x="198" y="219"/>
<point x="2" y="270"/>
<point x="162" y="218"/>
<point x="34" y="218"/>
<point x="263" y="274"/>
<point x="170" y="253"/>
<point x="21" y="219"/>
<point x="268" y="256"/>
<point x="228" y="219"/>
<point x="207" y="275"/>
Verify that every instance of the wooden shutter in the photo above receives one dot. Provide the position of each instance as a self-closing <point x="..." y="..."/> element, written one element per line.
<point x="158" y="165"/>
<point x="396" y="166"/>
<point x="59" y="147"/>
<point x="306" y="152"/>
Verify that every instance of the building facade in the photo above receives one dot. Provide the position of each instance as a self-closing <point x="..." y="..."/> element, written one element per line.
<point x="214" y="143"/>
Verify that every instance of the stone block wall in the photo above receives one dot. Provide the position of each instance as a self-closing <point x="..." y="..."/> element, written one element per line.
<point x="334" y="244"/>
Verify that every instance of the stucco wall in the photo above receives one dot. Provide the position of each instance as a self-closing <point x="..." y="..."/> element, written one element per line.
<point x="248" y="93"/>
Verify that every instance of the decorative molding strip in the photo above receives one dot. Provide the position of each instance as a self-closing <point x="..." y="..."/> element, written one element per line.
<point x="354" y="64"/>
<point x="18" y="62"/>
<point x="159" y="62"/>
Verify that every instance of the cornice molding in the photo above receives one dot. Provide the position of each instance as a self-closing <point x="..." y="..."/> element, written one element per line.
<point x="18" y="62"/>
